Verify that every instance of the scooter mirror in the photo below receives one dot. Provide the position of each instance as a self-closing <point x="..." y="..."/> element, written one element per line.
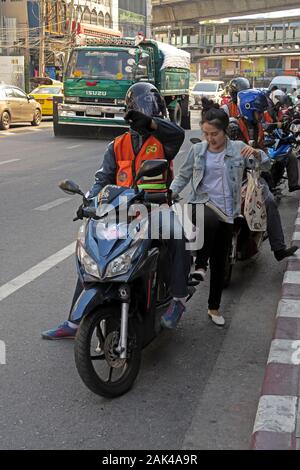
<point x="195" y="140"/>
<point x="70" y="187"/>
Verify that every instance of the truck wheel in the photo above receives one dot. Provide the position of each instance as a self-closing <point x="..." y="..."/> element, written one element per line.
<point x="58" y="130"/>
<point x="176" y="114"/>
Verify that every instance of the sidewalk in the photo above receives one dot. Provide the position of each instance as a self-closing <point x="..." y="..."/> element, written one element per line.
<point x="277" y="424"/>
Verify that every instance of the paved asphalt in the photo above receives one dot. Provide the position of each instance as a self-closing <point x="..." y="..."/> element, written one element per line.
<point x="198" y="387"/>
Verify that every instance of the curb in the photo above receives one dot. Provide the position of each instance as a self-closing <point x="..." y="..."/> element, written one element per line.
<point x="276" y="417"/>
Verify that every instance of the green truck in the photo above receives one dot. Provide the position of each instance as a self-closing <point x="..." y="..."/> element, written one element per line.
<point x="98" y="76"/>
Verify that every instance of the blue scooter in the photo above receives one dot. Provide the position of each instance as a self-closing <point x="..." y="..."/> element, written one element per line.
<point x="279" y="145"/>
<point x="126" y="278"/>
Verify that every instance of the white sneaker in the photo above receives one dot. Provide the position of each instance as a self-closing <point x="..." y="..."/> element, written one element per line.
<point x="199" y="274"/>
<point x="216" y="317"/>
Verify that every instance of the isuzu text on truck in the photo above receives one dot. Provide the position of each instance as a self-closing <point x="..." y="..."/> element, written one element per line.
<point x="99" y="75"/>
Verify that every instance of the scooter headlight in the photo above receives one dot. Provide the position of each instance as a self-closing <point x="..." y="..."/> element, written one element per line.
<point x="122" y="264"/>
<point x="82" y="232"/>
<point x="90" y="266"/>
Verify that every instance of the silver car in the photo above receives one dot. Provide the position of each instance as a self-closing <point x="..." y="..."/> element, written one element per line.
<point x="211" y="89"/>
<point x="16" y="106"/>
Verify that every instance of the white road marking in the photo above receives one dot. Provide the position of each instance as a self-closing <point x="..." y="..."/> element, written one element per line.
<point x="52" y="204"/>
<point x="10" y="161"/>
<point x="5" y="133"/>
<point x="36" y="271"/>
<point x="73" y="147"/>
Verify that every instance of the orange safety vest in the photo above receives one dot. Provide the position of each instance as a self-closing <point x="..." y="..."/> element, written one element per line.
<point x="268" y="118"/>
<point x="128" y="163"/>
<point x="233" y="109"/>
<point x="245" y="132"/>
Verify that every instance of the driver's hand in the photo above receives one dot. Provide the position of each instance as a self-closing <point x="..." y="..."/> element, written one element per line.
<point x="138" y="121"/>
<point x="79" y="212"/>
<point x="248" y="151"/>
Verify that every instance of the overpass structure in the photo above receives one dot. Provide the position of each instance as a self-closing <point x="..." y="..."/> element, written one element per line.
<point x="260" y="48"/>
<point x="171" y="12"/>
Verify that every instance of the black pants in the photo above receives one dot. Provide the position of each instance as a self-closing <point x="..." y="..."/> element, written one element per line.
<point x="168" y="228"/>
<point x="217" y="241"/>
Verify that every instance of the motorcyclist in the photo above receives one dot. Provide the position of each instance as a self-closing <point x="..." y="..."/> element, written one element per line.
<point x="279" y="102"/>
<point x="252" y="104"/>
<point x="234" y="87"/>
<point x="275" y="117"/>
<point x="149" y="137"/>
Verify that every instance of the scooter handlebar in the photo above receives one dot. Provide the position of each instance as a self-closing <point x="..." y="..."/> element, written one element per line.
<point x="156" y="198"/>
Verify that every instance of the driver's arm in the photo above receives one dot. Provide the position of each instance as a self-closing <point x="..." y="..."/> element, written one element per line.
<point x="169" y="134"/>
<point x="107" y="173"/>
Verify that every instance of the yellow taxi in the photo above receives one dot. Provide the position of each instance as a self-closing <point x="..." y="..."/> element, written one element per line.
<point x="44" y="94"/>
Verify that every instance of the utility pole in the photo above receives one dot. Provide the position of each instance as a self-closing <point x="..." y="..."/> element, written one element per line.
<point x="42" y="38"/>
<point x="69" y="33"/>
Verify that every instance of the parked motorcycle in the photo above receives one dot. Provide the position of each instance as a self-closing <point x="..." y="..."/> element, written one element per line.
<point x="279" y="144"/>
<point x="126" y="279"/>
<point x="244" y="245"/>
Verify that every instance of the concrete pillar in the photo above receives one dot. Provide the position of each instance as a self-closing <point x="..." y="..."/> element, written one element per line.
<point x="214" y="35"/>
<point x="230" y="34"/>
<point x="169" y="34"/>
<point x="148" y="18"/>
<point x="200" y="36"/>
<point x="180" y="34"/>
<point x="115" y="14"/>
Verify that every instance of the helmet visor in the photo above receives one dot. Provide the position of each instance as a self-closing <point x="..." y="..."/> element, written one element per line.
<point x="149" y="103"/>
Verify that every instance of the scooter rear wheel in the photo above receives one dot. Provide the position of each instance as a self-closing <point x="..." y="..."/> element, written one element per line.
<point x="97" y="361"/>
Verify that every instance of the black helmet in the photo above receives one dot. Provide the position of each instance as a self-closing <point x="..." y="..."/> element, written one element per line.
<point x="145" y="97"/>
<point x="237" y="84"/>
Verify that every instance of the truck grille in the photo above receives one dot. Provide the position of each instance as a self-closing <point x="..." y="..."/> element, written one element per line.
<point x="95" y="100"/>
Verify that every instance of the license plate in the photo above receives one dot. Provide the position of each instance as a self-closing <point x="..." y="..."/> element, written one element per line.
<point x="93" y="112"/>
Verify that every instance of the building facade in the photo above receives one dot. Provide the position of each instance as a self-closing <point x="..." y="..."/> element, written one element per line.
<point x="135" y="17"/>
<point x="257" y="49"/>
<point x="64" y="21"/>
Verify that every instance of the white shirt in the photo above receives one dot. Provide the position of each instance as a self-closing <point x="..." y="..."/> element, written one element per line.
<point x="215" y="183"/>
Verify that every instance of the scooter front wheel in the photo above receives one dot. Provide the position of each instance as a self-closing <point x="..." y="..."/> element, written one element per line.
<point x="96" y="353"/>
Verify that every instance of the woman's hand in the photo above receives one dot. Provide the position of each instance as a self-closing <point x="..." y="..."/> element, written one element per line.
<point x="248" y="151"/>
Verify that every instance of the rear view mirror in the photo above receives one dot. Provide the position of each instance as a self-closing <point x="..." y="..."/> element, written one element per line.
<point x="70" y="187"/>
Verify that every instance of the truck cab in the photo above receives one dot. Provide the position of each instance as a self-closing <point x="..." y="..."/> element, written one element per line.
<point x="98" y="76"/>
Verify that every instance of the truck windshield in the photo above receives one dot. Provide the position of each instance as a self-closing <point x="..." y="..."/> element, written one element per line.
<point x="110" y="65"/>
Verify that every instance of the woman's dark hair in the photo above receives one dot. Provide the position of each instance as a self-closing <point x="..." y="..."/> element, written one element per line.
<point x="212" y="114"/>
